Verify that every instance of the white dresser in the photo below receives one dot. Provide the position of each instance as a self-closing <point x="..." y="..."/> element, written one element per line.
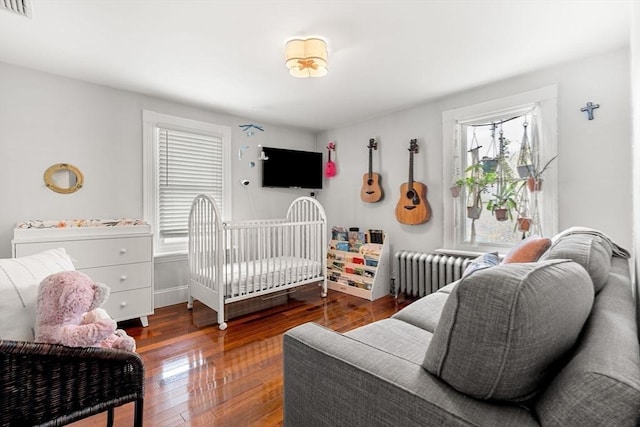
<point x="120" y="257"/>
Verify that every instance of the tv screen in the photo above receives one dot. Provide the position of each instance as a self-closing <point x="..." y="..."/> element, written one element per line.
<point x="291" y="168"/>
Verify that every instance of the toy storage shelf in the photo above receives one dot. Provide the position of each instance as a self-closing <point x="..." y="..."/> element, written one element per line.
<point x="364" y="274"/>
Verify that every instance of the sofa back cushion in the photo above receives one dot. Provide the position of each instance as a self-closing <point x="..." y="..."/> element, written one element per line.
<point x="503" y="328"/>
<point x="19" y="281"/>
<point x="590" y="251"/>
<point x="600" y="385"/>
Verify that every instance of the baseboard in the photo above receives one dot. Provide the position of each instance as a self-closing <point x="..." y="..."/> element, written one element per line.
<point x="170" y="296"/>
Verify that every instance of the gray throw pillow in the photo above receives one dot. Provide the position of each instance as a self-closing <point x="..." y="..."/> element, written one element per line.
<point x="502" y="328"/>
<point x="591" y="252"/>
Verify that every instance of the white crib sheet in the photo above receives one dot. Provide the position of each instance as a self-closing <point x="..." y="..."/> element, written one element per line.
<point x="269" y="273"/>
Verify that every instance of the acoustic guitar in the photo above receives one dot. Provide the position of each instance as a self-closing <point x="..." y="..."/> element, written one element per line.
<point x="413" y="207"/>
<point x="330" y="169"/>
<point x="371" y="191"/>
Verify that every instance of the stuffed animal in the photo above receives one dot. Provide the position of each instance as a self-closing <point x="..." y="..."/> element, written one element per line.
<point x="119" y="339"/>
<point x="63" y="298"/>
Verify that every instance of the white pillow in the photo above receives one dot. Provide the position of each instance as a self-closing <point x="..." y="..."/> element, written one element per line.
<point x="19" y="281"/>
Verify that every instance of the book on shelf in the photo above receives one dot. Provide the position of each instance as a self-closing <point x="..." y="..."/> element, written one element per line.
<point x="340" y="234"/>
<point x="376" y="236"/>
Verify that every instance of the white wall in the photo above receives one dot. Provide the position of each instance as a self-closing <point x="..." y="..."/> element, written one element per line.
<point x="594" y="156"/>
<point x="635" y="84"/>
<point x="46" y="119"/>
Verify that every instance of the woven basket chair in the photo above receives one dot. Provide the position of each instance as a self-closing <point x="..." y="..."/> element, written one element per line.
<point x="54" y="385"/>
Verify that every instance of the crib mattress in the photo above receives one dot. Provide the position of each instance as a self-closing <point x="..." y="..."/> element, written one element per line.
<point x="269" y="273"/>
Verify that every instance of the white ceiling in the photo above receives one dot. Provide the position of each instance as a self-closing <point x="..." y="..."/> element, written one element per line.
<point x="384" y="56"/>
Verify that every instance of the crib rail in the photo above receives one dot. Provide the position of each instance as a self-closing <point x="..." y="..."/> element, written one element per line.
<point x="291" y="250"/>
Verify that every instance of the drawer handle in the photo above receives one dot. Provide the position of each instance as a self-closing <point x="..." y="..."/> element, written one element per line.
<point x="123" y="304"/>
<point x="123" y="251"/>
<point x="123" y="277"/>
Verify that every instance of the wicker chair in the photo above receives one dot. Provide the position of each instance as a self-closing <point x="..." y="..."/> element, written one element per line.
<point x="53" y="385"/>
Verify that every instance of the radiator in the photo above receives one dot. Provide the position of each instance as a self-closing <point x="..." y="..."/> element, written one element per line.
<point x="419" y="274"/>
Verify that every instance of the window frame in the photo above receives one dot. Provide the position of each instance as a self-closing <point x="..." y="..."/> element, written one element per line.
<point x="452" y="120"/>
<point x="152" y="120"/>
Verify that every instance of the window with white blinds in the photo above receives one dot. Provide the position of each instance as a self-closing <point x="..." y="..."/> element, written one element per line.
<point x="189" y="164"/>
<point x="183" y="158"/>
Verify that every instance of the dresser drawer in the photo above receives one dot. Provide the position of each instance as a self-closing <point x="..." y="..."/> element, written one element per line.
<point x="96" y="252"/>
<point x="123" y="277"/>
<point x="129" y="304"/>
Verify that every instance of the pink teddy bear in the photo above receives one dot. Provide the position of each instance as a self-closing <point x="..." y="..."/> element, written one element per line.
<point x="119" y="339"/>
<point x="63" y="299"/>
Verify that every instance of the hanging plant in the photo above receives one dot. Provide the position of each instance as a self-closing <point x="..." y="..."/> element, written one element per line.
<point x="503" y="202"/>
<point x="476" y="183"/>
<point x="489" y="164"/>
<point x="490" y="161"/>
<point x="534" y="182"/>
<point x="525" y="162"/>
<point x="524" y="224"/>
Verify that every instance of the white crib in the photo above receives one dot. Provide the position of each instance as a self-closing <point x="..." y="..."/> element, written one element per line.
<point x="234" y="261"/>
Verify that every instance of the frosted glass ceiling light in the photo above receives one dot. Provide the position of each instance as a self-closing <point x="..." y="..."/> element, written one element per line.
<point x="306" y="57"/>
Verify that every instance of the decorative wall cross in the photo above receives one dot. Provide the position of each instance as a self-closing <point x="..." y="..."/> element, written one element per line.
<point x="589" y="109"/>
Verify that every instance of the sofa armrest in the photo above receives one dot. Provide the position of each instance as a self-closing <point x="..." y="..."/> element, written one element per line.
<point x="51" y="384"/>
<point x="331" y="379"/>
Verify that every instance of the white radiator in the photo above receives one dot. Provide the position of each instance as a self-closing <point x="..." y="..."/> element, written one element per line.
<point x="419" y="274"/>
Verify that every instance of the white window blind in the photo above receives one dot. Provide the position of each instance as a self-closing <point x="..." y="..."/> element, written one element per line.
<point x="188" y="164"/>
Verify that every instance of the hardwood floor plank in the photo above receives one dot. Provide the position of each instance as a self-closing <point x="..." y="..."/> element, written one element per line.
<point x="198" y="375"/>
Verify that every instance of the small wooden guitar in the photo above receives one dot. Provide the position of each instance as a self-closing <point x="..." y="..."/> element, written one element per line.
<point x="371" y="191"/>
<point x="413" y="207"/>
<point x="330" y="169"/>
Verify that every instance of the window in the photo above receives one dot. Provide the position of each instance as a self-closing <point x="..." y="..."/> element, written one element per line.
<point x="490" y="152"/>
<point x="182" y="158"/>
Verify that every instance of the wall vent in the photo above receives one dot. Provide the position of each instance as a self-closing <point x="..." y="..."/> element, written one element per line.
<point x="21" y="7"/>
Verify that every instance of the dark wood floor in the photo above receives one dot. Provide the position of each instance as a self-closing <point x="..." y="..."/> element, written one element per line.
<point x="198" y="375"/>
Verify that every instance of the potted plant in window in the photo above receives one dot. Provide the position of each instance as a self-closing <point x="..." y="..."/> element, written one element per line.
<point x="475" y="184"/>
<point x="534" y="181"/>
<point x="523" y="223"/>
<point x="524" y="164"/>
<point x="503" y="201"/>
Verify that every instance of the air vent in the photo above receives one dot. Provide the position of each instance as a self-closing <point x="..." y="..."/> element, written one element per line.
<point x="22" y="7"/>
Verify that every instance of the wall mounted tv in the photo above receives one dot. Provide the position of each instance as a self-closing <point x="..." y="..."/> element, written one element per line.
<point x="291" y="168"/>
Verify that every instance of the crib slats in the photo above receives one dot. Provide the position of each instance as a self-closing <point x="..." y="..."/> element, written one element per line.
<point x="234" y="261"/>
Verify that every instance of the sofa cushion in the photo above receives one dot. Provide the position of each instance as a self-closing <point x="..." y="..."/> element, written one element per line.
<point x="19" y="281"/>
<point x="490" y="259"/>
<point x="590" y="251"/>
<point x="425" y="312"/>
<point x="395" y="337"/>
<point x="528" y="250"/>
<point x="502" y="329"/>
<point x="601" y="383"/>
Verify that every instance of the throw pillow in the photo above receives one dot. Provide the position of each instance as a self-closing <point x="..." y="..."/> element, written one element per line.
<point x="529" y="250"/>
<point x="19" y="281"/>
<point x="503" y="328"/>
<point x="487" y="260"/>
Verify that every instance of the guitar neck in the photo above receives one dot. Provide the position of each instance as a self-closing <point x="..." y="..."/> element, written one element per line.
<point x="411" y="170"/>
<point x="370" y="163"/>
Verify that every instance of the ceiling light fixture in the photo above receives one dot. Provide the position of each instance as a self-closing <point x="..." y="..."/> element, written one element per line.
<point x="306" y="57"/>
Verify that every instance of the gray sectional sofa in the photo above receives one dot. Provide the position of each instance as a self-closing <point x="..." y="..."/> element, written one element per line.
<point x="552" y="343"/>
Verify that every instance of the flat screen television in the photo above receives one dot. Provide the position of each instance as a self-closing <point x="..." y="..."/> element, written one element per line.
<point x="286" y="168"/>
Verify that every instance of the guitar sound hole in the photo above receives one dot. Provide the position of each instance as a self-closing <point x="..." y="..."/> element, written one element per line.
<point x="369" y="182"/>
<point x="413" y="196"/>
